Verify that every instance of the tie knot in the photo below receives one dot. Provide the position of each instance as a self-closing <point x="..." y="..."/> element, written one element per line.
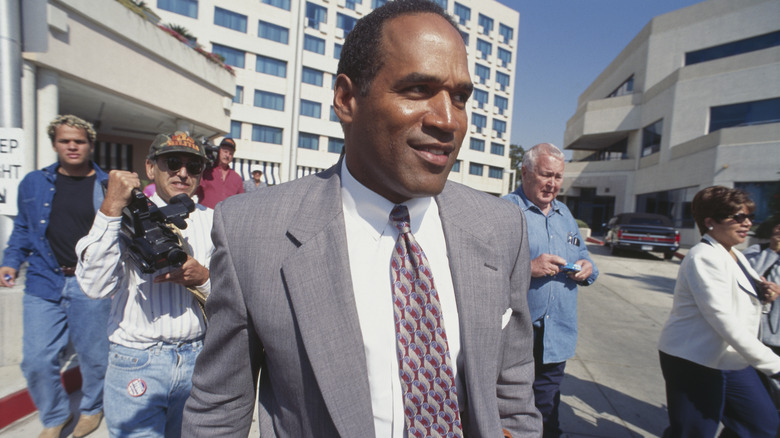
<point x="400" y="218"/>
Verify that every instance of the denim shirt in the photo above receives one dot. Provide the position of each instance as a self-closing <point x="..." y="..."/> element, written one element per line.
<point x="553" y="300"/>
<point x="28" y="240"/>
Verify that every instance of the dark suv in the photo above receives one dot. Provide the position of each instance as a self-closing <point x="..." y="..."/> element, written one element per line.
<point x="642" y="232"/>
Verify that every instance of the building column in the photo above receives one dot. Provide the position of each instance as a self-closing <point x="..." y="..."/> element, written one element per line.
<point x="29" y="105"/>
<point x="47" y="108"/>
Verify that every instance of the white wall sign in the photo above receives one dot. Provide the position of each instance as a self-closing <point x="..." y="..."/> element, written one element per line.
<point x="11" y="168"/>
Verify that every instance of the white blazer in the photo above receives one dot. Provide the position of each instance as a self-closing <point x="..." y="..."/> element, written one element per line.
<point x="716" y="313"/>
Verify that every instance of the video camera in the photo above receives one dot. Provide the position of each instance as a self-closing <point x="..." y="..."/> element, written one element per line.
<point x="152" y="244"/>
<point x="212" y="152"/>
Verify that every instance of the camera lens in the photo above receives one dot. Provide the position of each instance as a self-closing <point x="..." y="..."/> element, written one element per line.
<point x="176" y="257"/>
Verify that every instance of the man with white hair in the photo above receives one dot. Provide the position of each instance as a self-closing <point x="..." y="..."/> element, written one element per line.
<point x="552" y="298"/>
<point x="256" y="182"/>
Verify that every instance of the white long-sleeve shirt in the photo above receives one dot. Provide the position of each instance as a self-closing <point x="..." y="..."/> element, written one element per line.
<point x="143" y="313"/>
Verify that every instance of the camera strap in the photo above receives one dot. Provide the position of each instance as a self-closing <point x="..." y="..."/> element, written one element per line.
<point x="199" y="297"/>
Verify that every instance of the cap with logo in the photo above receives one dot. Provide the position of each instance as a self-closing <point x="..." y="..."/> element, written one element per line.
<point x="178" y="142"/>
<point x="228" y="143"/>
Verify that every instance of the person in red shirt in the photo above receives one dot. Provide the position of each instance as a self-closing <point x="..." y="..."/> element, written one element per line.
<point x="220" y="181"/>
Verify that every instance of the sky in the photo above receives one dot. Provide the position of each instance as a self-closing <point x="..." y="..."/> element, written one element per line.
<point x="563" y="45"/>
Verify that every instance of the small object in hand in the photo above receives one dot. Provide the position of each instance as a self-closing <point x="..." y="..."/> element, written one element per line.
<point x="8" y="277"/>
<point x="571" y="267"/>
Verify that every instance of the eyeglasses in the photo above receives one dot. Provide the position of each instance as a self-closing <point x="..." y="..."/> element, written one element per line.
<point x="740" y="217"/>
<point x="194" y="167"/>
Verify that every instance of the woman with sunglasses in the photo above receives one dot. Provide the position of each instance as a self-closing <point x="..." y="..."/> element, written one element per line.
<point x="709" y="347"/>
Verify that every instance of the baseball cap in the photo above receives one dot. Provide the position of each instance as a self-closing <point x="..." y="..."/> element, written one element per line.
<point x="228" y="143"/>
<point x="178" y="142"/>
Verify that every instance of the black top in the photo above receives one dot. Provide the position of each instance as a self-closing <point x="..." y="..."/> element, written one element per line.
<point x="72" y="214"/>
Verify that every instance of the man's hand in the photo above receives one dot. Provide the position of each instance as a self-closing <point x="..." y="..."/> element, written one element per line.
<point x="7" y="276"/>
<point x="587" y="269"/>
<point x="769" y="291"/>
<point x="546" y="264"/>
<point x="120" y="189"/>
<point x="191" y="273"/>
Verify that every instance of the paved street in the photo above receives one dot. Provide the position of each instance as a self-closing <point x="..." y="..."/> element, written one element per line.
<point x="613" y="387"/>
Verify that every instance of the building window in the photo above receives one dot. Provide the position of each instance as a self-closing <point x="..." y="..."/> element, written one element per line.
<point x="497" y="149"/>
<point x="272" y="32"/>
<point x="337" y="50"/>
<point x="311" y="109"/>
<point x="463" y="13"/>
<point x="745" y="114"/>
<point x="502" y="103"/>
<point x="479" y="121"/>
<point x="283" y="4"/>
<point x="267" y="134"/>
<point x="232" y="56"/>
<point x="500" y="127"/>
<point x="315" y="14"/>
<point x="465" y="37"/>
<point x="495" y="172"/>
<point x="485" y="48"/>
<point x="345" y="23"/>
<point x="377" y="3"/>
<point x="477" y="144"/>
<point x="239" y="96"/>
<point x="486" y="23"/>
<point x="476" y="169"/>
<point x="271" y="66"/>
<point x="333" y="116"/>
<point x="182" y="7"/>
<point x="111" y="156"/>
<point x="762" y="193"/>
<point x="506" y="32"/>
<point x="503" y="80"/>
<point x="627" y="87"/>
<point x="229" y="19"/>
<point x="482" y="72"/>
<point x="335" y="145"/>
<point x="481" y="97"/>
<point x="309" y="141"/>
<point x="616" y="151"/>
<point x="350" y="4"/>
<point x="456" y="166"/>
<point x="314" y="44"/>
<point x="266" y="99"/>
<point x="651" y="138"/>
<point x="733" y="48"/>
<point x="505" y="56"/>
<point x="442" y="3"/>
<point x="312" y="76"/>
<point x="235" y="129"/>
<point x="674" y="204"/>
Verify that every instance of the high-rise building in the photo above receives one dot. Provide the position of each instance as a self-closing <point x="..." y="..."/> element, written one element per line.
<point x="285" y="55"/>
<point x="692" y="101"/>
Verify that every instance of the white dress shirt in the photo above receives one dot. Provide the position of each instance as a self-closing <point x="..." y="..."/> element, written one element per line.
<point x="370" y="241"/>
<point x="143" y="313"/>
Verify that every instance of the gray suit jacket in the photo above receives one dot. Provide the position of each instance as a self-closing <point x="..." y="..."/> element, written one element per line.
<point x="282" y="302"/>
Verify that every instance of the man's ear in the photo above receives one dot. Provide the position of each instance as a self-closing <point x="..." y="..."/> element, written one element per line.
<point x="344" y="95"/>
<point x="150" y="169"/>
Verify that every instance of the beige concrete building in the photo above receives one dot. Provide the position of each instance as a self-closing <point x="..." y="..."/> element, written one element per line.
<point x="285" y="54"/>
<point x="692" y="101"/>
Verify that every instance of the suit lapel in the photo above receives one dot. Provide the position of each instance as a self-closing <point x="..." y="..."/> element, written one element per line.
<point x="318" y="280"/>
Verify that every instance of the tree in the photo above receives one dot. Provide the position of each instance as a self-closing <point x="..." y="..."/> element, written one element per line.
<point x="516" y="154"/>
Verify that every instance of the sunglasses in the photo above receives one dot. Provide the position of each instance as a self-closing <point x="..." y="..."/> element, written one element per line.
<point x="741" y="217"/>
<point x="194" y="167"/>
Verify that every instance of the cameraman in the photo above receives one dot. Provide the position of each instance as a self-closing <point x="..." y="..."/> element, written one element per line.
<point x="156" y="326"/>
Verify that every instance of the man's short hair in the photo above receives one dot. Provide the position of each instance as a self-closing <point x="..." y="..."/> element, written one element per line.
<point x="73" y="121"/>
<point x="532" y="155"/>
<point x="362" y="54"/>
<point x="228" y="143"/>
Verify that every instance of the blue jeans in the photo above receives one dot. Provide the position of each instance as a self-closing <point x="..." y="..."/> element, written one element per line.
<point x="48" y="325"/>
<point x="146" y="389"/>
<point x="698" y="398"/>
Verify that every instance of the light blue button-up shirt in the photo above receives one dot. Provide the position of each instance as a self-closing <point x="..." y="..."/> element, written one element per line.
<point x="553" y="300"/>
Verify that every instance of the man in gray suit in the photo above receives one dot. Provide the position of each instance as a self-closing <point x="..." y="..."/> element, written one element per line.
<point x="313" y="310"/>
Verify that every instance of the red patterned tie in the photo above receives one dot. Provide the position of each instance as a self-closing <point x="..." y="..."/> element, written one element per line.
<point x="425" y="366"/>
